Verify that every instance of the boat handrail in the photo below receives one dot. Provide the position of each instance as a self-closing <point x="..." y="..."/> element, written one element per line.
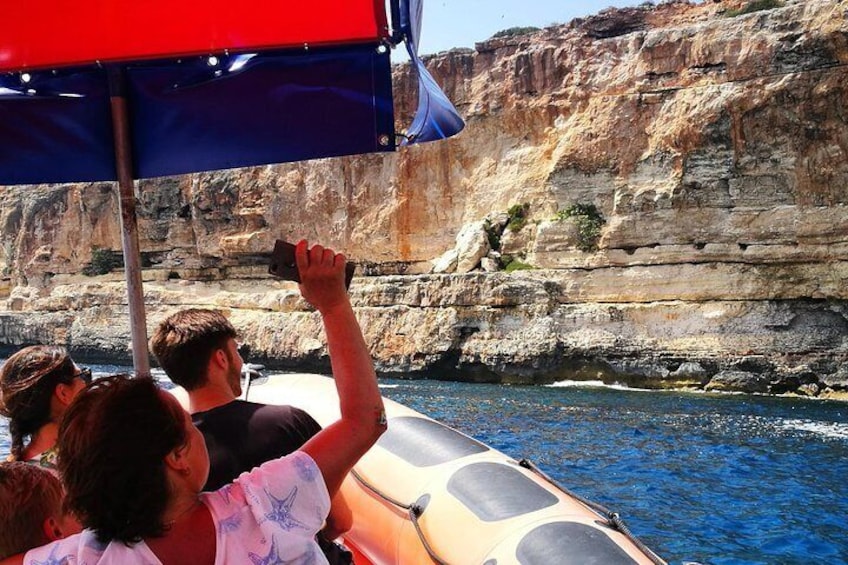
<point x="614" y="520"/>
<point x="414" y="510"/>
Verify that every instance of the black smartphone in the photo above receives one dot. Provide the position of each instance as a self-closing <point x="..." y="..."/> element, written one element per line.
<point x="283" y="264"/>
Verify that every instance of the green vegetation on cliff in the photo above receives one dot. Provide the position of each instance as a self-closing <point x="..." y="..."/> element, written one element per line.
<point x="589" y="222"/>
<point x="515" y="31"/>
<point x="512" y="264"/>
<point x="103" y="261"/>
<point x="517" y="216"/>
<point x="755" y="6"/>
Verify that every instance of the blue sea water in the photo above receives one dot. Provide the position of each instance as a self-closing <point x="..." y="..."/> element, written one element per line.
<point x="721" y="480"/>
<point x="713" y="479"/>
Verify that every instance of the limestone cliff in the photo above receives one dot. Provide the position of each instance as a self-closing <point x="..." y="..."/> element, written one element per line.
<point x="685" y="175"/>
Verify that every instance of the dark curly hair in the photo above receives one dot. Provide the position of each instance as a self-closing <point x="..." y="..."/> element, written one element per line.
<point x="112" y="446"/>
<point x="184" y="342"/>
<point x="27" y="381"/>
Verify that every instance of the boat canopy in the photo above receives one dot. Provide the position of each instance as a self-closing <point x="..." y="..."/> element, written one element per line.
<point x="45" y="34"/>
<point x="209" y="85"/>
<point x="116" y="90"/>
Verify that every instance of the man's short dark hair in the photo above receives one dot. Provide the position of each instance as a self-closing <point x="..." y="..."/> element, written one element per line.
<point x="185" y="341"/>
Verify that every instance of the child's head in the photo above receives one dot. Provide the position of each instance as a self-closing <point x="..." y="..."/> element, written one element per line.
<point x="31" y="512"/>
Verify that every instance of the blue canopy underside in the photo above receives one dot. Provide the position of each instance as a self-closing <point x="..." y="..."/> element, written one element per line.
<point x="188" y="116"/>
<point x="436" y="118"/>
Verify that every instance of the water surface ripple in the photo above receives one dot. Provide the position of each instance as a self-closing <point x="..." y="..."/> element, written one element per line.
<point x="713" y="479"/>
<point x="718" y="479"/>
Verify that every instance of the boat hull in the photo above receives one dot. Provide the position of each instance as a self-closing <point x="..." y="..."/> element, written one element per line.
<point x="427" y="493"/>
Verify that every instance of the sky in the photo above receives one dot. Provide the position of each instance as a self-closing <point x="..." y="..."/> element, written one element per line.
<point x="461" y="23"/>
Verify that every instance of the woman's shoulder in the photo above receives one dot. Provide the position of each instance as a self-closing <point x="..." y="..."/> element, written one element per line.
<point x="296" y="468"/>
<point x="67" y="550"/>
<point x="271" y="482"/>
<point x="284" y="502"/>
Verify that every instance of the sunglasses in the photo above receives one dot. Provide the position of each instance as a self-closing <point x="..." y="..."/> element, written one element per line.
<point x="84" y="374"/>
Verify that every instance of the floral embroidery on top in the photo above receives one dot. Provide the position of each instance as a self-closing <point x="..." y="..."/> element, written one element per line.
<point x="306" y="470"/>
<point x="46" y="459"/>
<point x="281" y="511"/>
<point x="273" y="557"/>
<point x="53" y="559"/>
<point x="230" y="524"/>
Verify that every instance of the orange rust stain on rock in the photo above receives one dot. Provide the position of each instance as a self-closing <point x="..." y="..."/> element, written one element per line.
<point x="446" y="182"/>
<point x="404" y="211"/>
<point x="737" y="134"/>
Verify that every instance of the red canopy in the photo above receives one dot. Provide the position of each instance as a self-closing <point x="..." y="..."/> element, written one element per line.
<point x="55" y="33"/>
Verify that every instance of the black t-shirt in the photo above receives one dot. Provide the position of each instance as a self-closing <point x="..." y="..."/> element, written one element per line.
<point x="242" y="435"/>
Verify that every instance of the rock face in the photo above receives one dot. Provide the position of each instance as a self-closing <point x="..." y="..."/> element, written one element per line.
<point x="713" y="146"/>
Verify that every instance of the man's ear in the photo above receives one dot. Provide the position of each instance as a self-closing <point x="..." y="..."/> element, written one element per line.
<point x="220" y="359"/>
<point x="52" y="530"/>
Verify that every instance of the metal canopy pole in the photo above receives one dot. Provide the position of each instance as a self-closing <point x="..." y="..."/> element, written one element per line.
<point x="129" y="222"/>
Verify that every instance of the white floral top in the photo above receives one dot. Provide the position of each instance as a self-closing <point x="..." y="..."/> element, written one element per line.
<point x="267" y="516"/>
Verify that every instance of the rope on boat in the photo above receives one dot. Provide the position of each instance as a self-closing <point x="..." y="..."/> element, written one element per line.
<point x="414" y="513"/>
<point x="413" y="510"/>
<point x="613" y="519"/>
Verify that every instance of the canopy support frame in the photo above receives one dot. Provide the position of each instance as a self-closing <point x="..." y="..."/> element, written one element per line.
<point x="129" y="221"/>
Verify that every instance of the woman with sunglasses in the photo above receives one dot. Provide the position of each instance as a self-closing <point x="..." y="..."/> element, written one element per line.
<point x="37" y="384"/>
